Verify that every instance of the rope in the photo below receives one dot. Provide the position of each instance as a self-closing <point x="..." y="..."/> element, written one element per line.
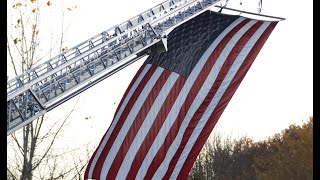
<point x="259" y="6"/>
<point x="223" y="6"/>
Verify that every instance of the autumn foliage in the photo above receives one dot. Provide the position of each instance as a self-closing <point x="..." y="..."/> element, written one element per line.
<point x="286" y="155"/>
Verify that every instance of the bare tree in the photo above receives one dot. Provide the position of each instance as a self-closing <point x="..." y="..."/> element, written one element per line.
<point x="31" y="147"/>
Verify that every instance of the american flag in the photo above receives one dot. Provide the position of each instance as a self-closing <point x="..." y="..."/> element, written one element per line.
<point x="175" y="99"/>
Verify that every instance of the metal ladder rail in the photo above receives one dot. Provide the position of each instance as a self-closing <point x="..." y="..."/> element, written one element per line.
<point x="33" y="102"/>
<point x="58" y="84"/>
<point x="18" y="85"/>
<point x="15" y="85"/>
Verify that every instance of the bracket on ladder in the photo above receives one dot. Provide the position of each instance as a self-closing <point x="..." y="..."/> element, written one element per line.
<point x="161" y="46"/>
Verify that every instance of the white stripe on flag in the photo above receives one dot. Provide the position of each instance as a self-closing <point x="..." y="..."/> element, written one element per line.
<point x="146" y="125"/>
<point x="224" y="85"/>
<point x="157" y="143"/>
<point x="128" y="122"/>
<point x="114" y="123"/>
<point x="200" y="97"/>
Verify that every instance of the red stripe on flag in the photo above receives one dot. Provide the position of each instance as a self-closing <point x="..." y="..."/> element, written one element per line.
<point x="223" y="103"/>
<point x="158" y="159"/>
<point x="97" y="170"/>
<point x="155" y="128"/>
<point x="129" y="87"/>
<point x="144" y="110"/>
<point x="123" y="97"/>
<point x="202" y="108"/>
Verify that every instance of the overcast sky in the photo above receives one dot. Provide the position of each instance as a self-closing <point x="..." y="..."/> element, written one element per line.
<point x="277" y="90"/>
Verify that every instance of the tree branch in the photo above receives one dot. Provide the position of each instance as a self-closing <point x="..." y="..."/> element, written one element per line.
<point x="11" y="58"/>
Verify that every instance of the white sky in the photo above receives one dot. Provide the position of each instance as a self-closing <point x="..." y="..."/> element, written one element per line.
<point x="277" y="90"/>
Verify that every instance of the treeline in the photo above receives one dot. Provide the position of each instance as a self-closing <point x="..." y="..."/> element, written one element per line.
<point x="286" y="155"/>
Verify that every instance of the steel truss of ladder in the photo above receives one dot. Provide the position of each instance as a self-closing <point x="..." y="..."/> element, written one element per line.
<point x="46" y="86"/>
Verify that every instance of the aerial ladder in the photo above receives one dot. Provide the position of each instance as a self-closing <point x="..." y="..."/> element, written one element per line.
<point x="46" y="86"/>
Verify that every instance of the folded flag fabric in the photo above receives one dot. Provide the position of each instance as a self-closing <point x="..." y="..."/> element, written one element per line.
<point x="175" y="99"/>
